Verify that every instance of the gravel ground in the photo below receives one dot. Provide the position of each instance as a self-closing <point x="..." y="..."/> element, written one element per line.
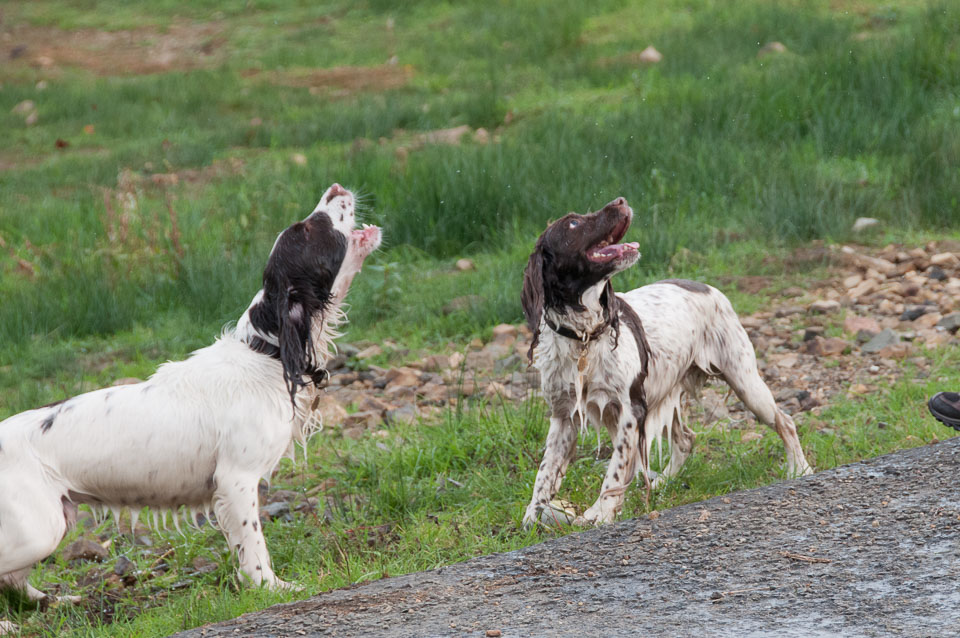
<point x="869" y="549"/>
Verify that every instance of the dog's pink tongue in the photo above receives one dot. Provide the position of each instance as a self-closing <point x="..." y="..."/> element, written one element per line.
<point x="616" y="250"/>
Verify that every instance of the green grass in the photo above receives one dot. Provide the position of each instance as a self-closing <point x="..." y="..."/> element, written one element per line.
<point x="400" y="481"/>
<point x="729" y="161"/>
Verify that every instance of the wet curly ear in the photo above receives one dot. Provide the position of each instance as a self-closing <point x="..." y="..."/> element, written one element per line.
<point x="531" y="296"/>
<point x="295" y="343"/>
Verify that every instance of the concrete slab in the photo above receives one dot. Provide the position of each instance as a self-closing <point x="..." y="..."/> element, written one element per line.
<point x="869" y="549"/>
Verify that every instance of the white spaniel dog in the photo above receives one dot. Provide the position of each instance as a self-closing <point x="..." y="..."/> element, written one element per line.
<point x="623" y="362"/>
<point x="202" y="432"/>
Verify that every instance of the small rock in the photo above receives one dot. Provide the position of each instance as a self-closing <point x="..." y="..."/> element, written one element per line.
<point x="31" y="119"/>
<point x="811" y="332"/>
<point x="464" y="265"/>
<point x="367" y="419"/>
<point x="203" y="565"/>
<point x="832" y="346"/>
<point x="436" y="362"/>
<point x="123" y="566"/>
<point x="928" y="320"/>
<point x="374" y="404"/>
<point x="771" y="48"/>
<point x="853" y="324"/>
<point x="507" y="363"/>
<point x="481" y="136"/>
<point x="504" y="333"/>
<point x="937" y="274"/>
<point x="84" y="549"/>
<point x="896" y="351"/>
<point x="863" y="336"/>
<point x="885" y="338"/>
<point x="369" y="352"/>
<point x="493" y="633"/>
<point x="462" y="304"/>
<point x="274" y="511"/>
<point x="650" y="56"/>
<point x="950" y="323"/>
<point x="299" y="159"/>
<point x="787" y="311"/>
<point x="863" y="223"/>
<point x="825" y="306"/>
<point x="23" y="108"/>
<point x="354" y="432"/>
<point x="404" y="414"/>
<point x="404" y="376"/>
<point x="852" y="281"/>
<point x="945" y="259"/>
<point x="914" y="312"/>
<point x="495" y="389"/>
<point x="750" y="435"/>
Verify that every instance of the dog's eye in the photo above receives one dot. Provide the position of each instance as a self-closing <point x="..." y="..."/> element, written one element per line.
<point x="574" y="224"/>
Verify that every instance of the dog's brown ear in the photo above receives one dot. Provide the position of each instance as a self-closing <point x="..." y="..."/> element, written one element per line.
<point x="532" y="295"/>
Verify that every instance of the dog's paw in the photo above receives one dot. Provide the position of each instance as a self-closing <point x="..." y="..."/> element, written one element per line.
<point x="595" y="516"/>
<point x="8" y="628"/>
<point x="531" y="516"/>
<point x="282" y="585"/>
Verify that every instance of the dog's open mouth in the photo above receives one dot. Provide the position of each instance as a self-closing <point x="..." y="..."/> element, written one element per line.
<point x="608" y="249"/>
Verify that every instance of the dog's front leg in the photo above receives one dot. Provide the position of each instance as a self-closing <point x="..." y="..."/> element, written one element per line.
<point x="238" y="514"/>
<point x="561" y="447"/>
<point x="620" y="471"/>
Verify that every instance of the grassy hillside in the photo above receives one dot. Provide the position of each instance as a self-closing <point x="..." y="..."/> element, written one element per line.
<point x="166" y="144"/>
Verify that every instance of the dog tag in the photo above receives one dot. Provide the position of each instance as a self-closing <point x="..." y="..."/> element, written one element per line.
<point x="316" y="402"/>
<point x="582" y="361"/>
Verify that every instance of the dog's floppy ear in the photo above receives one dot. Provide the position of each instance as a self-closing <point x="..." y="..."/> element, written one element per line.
<point x="296" y="349"/>
<point x="531" y="296"/>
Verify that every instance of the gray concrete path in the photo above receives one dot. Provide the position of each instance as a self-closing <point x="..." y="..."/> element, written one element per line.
<point x="869" y="549"/>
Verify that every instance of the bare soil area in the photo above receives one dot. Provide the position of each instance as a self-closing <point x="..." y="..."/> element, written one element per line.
<point x="182" y="47"/>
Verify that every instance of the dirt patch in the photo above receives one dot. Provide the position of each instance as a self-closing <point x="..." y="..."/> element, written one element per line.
<point x="182" y="47"/>
<point x="340" y="81"/>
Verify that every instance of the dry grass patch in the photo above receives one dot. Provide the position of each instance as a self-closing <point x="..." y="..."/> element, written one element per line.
<point x="182" y="47"/>
<point x="340" y="81"/>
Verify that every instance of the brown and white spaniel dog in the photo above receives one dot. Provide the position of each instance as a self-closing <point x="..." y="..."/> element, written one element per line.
<point x="623" y="361"/>
<point x="200" y="433"/>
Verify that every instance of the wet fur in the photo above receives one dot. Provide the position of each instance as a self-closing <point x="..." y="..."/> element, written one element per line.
<point x="644" y="350"/>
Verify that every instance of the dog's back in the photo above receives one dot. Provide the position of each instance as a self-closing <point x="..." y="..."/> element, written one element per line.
<point x="692" y="331"/>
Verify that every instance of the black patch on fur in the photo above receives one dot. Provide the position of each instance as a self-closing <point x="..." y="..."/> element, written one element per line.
<point x="297" y="284"/>
<point x="47" y="423"/>
<point x="686" y="284"/>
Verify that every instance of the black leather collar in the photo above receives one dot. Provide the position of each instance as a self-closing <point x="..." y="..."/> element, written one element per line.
<point x="317" y="375"/>
<point x="570" y="333"/>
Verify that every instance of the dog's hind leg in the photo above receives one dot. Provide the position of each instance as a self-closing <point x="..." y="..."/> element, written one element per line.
<point x="560" y="450"/>
<point x="238" y="515"/>
<point x="681" y="444"/>
<point x="33" y="520"/>
<point x="743" y="377"/>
